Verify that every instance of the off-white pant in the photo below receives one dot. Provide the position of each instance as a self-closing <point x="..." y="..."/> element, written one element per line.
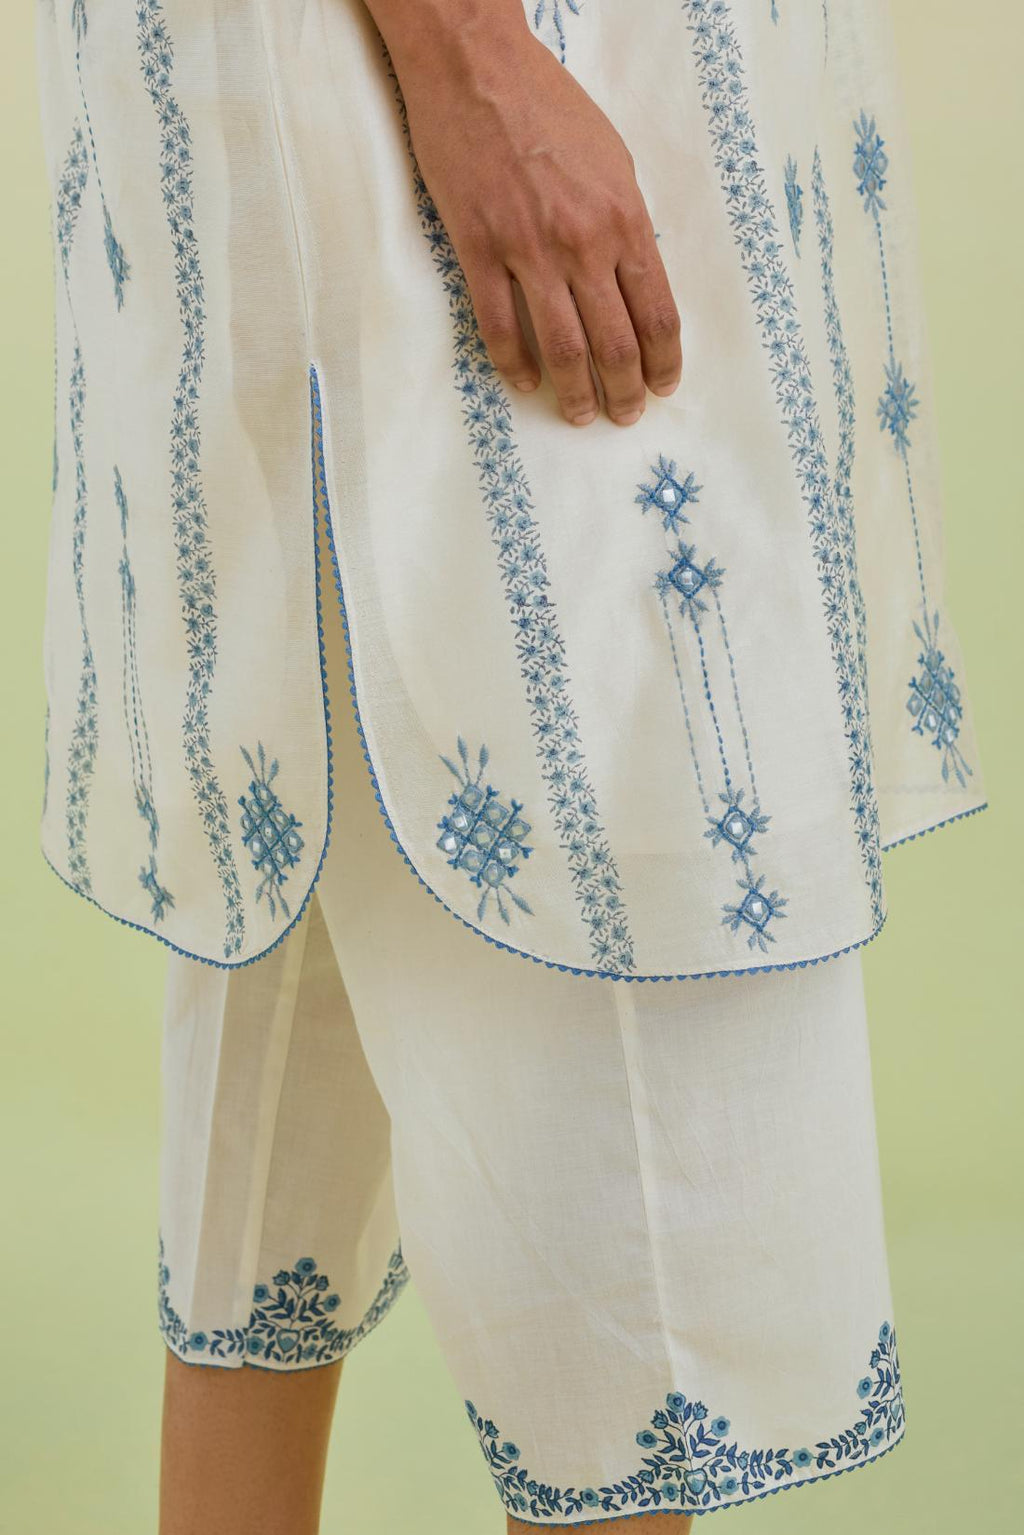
<point x="644" y="1218"/>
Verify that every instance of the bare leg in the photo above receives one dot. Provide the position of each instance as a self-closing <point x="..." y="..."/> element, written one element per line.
<point x="635" y="1524"/>
<point x="243" y="1451"/>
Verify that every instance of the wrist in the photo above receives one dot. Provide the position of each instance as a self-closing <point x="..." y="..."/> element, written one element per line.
<point x="454" y="37"/>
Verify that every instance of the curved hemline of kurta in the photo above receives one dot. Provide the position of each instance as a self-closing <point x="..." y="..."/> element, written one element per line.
<point x="375" y="779"/>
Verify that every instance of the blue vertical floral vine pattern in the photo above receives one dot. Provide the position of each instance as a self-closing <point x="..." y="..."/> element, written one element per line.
<point x="270" y="833"/>
<point x="291" y="1322"/>
<point x="116" y="260"/>
<point x="748" y="204"/>
<point x="934" y="700"/>
<point x="523" y="570"/>
<point x="135" y="719"/>
<point x="482" y="835"/>
<point x="842" y="380"/>
<point x="554" y="12"/>
<point x="693" y="1463"/>
<point x="85" y="731"/>
<point x="688" y="591"/>
<point x="197" y="584"/>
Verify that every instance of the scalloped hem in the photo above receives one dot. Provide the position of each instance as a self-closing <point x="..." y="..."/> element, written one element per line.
<point x="319" y="466"/>
<point x="715" y="1508"/>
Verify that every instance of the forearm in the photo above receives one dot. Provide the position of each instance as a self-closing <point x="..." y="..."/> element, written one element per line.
<point x="447" y="32"/>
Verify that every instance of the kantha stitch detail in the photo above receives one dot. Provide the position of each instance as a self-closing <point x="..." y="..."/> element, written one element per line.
<point x="523" y="569"/>
<point x="794" y="202"/>
<point x="291" y="1322"/>
<point x="691" y="1465"/>
<point x="135" y="719"/>
<point x="719" y="65"/>
<point x="483" y="836"/>
<point x="85" y="731"/>
<point x="543" y="7"/>
<point x="688" y="591"/>
<point x="934" y="702"/>
<point x="116" y="260"/>
<point x="197" y="583"/>
<point x="269" y="832"/>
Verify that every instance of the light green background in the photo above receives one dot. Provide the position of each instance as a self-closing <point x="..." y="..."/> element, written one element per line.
<point x="80" y="1359"/>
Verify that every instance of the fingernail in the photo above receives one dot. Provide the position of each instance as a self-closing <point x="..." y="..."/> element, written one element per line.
<point x="628" y="419"/>
<point x="584" y="419"/>
<point x="664" y="389"/>
<point x="526" y="384"/>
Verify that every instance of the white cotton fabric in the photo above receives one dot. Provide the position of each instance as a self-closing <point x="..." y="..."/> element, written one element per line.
<point x="703" y="788"/>
<point x="603" y="1193"/>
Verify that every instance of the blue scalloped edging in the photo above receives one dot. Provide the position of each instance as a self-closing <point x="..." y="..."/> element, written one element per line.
<point x="722" y="1508"/>
<point x="912" y="836"/>
<point x="550" y="964"/>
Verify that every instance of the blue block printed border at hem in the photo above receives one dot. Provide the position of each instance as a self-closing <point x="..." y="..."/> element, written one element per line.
<point x="319" y="476"/>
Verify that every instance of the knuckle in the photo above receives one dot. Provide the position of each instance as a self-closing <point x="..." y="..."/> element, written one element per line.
<point x="618" y="352"/>
<point x="565" y="351"/>
<point x="661" y="323"/>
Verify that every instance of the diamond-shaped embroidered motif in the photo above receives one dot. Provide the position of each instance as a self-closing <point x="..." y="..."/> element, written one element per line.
<point x="270" y="834"/>
<point x="484" y="835"/>
<point x="755" y="911"/>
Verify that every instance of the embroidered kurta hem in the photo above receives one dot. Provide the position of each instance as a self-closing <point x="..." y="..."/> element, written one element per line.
<point x="642" y="703"/>
<point x="645" y="1222"/>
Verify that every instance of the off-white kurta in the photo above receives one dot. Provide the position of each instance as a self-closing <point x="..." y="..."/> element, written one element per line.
<point x="645" y="702"/>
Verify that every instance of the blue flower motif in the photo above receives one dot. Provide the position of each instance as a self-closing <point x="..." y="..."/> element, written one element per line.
<point x="870" y="164"/>
<point x="646" y="1440"/>
<point x="306" y="1266"/>
<point x="676" y="1400"/>
<point x="878" y="1435"/>
<point x="757" y="908"/>
<point x="727" y="1486"/>
<point x="510" y="1450"/>
<point x="260" y="1293"/>
<point x="883" y="1333"/>
<point x="802" y="1457"/>
<point x="332" y="1302"/>
<point x="865" y="1386"/>
<point x="589" y="1497"/>
<point x="897" y="405"/>
<point x="197" y="1341"/>
<point x="720" y="1426"/>
<point x="669" y="1490"/>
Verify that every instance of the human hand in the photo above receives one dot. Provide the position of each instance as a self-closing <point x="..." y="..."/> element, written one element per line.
<point x="533" y="183"/>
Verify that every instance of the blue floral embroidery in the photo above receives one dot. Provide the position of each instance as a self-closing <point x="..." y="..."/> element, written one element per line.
<point x="483" y="836"/>
<point x="523" y="570"/>
<point x="689" y="590"/>
<point x="134" y="718"/>
<point x="794" y="202"/>
<point x="934" y="699"/>
<point x="116" y="260"/>
<point x="196" y="577"/>
<point x="557" y="18"/>
<point x="842" y="380"/>
<point x="291" y="1321"/>
<point x="85" y="732"/>
<point x="690" y="1462"/>
<point x="749" y="209"/>
<point x="269" y="832"/>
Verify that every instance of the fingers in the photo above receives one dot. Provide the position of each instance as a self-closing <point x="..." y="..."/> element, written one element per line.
<point x="644" y="285"/>
<point x="614" y="347"/>
<point x="563" y="347"/>
<point x="495" y="309"/>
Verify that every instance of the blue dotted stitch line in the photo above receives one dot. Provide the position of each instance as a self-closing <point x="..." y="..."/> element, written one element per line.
<point x="749" y="209"/>
<point x="748" y="754"/>
<point x="119" y="268"/>
<point x="683" y="700"/>
<point x="196" y="576"/>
